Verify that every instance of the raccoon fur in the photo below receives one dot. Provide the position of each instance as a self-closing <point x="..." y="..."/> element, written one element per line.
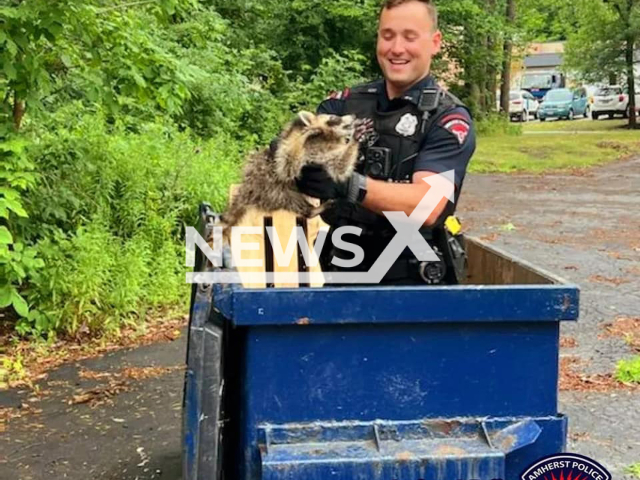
<point x="269" y="175"/>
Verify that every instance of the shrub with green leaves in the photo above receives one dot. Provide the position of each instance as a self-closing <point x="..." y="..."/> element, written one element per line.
<point x="18" y="261"/>
<point x="110" y="215"/>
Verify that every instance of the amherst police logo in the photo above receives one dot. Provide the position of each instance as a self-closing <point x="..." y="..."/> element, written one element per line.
<point x="407" y="125"/>
<point x="566" y="466"/>
<point x="459" y="128"/>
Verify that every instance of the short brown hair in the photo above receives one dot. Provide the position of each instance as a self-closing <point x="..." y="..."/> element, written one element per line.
<point x="430" y="4"/>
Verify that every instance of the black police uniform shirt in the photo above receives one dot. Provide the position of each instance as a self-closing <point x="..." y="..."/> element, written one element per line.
<point x="449" y="143"/>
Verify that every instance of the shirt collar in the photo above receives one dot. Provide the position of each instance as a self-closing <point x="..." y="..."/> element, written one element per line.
<point x="411" y="95"/>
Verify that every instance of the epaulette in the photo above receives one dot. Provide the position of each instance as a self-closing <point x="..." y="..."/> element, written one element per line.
<point x="435" y="102"/>
<point x="369" y="88"/>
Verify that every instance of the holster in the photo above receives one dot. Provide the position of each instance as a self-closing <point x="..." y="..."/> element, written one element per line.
<point x="455" y="256"/>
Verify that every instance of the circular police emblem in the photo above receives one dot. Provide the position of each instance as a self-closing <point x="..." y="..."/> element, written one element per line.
<point x="566" y="466"/>
<point x="407" y="125"/>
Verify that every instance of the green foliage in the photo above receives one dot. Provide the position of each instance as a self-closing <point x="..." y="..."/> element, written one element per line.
<point x="335" y="72"/>
<point x="603" y="47"/>
<point x="633" y="469"/>
<point x="595" y="50"/>
<point x="547" y="20"/>
<point x="17" y="260"/>
<point x="628" y="371"/>
<point x="113" y="205"/>
<point x="304" y="32"/>
<point x="54" y="50"/>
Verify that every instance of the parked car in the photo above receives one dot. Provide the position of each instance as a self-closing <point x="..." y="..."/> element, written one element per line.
<point x="612" y="100"/>
<point x="521" y="105"/>
<point x="564" y="103"/>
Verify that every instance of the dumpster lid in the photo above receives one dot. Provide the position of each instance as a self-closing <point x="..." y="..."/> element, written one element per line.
<point x="376" y="304"/>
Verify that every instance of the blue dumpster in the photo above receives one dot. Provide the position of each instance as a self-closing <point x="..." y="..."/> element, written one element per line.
<point x="385" y="383"/>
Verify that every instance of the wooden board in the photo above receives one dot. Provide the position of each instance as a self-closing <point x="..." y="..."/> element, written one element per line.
<point x="253" y="218"/>
<point x="489" y="266"/>
<point x="314" y="226"/>
<point x="283" y="223"/>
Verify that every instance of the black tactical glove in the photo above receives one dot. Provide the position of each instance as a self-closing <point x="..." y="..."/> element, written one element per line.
<point x="316" y="182"/>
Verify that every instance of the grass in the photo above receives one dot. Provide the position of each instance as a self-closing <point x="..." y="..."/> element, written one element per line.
<point x="576" y="126"/>
<point x="633" y="470"/>
<point x="628" y="371"/>
<point x="555" y="151"/>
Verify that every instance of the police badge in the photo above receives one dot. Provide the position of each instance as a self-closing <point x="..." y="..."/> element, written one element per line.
<point x="407" y="125"/>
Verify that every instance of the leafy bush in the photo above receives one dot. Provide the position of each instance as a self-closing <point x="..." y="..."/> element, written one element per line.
<point x="18" y="261"/>
<point x="110" y="214"/>
<point x="336" y="72"/>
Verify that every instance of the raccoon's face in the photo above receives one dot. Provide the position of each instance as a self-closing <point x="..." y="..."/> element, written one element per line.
<point x="329" y="129"/>
<point x="329" y="140"/>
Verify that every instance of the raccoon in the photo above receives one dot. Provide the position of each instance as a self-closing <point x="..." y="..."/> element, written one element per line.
<point x="269" y="175"/>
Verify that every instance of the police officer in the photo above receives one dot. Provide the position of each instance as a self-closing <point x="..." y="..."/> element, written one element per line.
<point x="418" y="130"/>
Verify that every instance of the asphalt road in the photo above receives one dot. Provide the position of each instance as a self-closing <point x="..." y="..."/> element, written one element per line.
<point x="583" y="227"/>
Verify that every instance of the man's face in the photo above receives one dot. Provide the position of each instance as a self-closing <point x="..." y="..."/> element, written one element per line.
<point x="406" y="44"/>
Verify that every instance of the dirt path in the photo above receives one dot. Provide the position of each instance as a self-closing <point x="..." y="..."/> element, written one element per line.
<point x="124" y="418"/>
<point x="585" y="228"/>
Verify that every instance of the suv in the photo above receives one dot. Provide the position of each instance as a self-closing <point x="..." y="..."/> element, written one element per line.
<point x="521" y="105"/>
<point x="564" y="103"/>
<point x="611" y="100"/>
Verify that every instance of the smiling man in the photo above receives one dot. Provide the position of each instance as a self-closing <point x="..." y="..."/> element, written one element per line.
<point x="418" y="130"/>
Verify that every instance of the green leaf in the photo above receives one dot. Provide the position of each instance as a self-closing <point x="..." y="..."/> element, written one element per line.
<point x="16" y="207"/>
<point x="55" y="29"/>
<point x="5" y="236"/>
<point x="6" y="294"/>
<point x="66" y="60"/>
<point x="10" y="71"/>
<point x="20" y="304"/>
<point x="10" y="193"/>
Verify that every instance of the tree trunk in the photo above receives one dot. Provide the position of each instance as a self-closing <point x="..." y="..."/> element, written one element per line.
<point x="18" y="111"/>
<point x="505" y="81"/>
<point x="492" y="69"/>
<point x="631" y="83"/>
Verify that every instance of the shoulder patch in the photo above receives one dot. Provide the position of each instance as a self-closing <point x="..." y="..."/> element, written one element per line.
<point x="453" y="116"/>
<point x="460" y="128"/>
<point x="457" y="124"/>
